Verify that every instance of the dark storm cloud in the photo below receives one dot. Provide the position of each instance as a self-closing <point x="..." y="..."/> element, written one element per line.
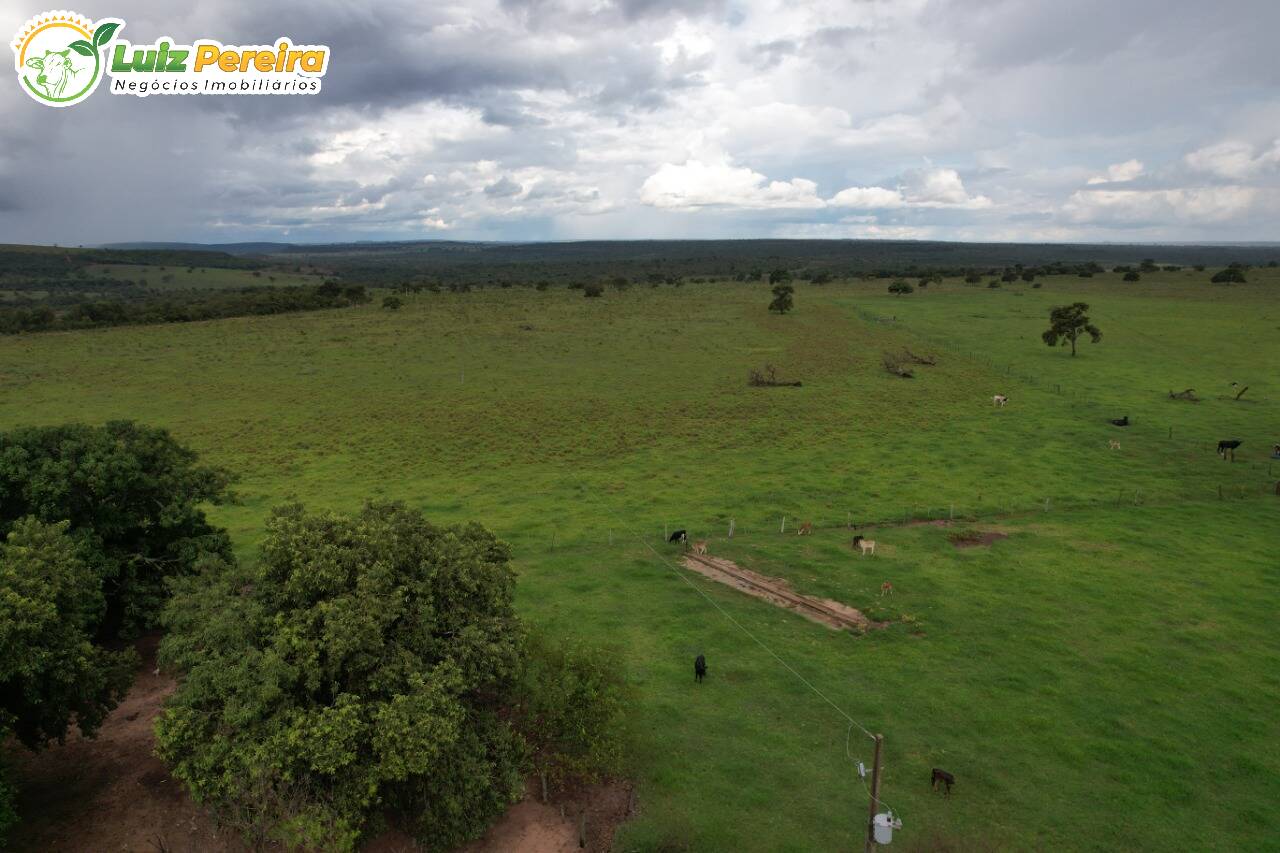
<point x="515" y="118"/>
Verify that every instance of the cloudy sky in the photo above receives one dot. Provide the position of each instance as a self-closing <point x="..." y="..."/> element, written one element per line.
<point x="1024" y="120"/>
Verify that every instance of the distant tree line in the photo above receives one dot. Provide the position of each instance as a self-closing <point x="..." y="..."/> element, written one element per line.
<point x="42" y="262"/>
<point x="668" y="262"/>
<point x="183" y="307"/>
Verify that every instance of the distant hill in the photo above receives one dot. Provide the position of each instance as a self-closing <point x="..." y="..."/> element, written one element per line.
<point x="228" y="248"/>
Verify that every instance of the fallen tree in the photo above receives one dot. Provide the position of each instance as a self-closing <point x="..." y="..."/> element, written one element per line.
<point x="895" y="365"/>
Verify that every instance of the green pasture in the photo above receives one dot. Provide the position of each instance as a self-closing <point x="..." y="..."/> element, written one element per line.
<point x="1106" y="677"/>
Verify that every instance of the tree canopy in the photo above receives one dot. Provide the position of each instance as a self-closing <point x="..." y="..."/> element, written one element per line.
<point x="782" y="298"/>
<point x="131" y="495"/>
<point x="370" y="663"/>
<point x="1067" y="323"/>
<point x="50" y="671"/>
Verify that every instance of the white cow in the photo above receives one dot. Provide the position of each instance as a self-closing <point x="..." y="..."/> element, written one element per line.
<point x="999" y="400"/>
<point x="56" y="71"/>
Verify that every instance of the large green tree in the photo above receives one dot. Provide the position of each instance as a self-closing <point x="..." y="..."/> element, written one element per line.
<point x="361" y="667"/>
<point x="51" y="672"/>
<point x="132" y="496"/>
<point x="1067" y="323"/>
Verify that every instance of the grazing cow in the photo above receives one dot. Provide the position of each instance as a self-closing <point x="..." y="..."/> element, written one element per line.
<point x="806" y="529"/>
<point x="940" y="775"/>
<point x="999" y="400"/>
<point x="1120" y="422"/>
<point x="679" y="536"/>
<point x="700" y="547"/>
<point x="699" y="668"/>
<point x="886" y="587"/>
<point x="1229" y="446"/>
<point x="56" y="72"/>
<point x="868" y="546"/>
<point x="1113" y="444"/>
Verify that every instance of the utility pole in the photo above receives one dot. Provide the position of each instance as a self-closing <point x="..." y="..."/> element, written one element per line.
<point x="875" y="796"/>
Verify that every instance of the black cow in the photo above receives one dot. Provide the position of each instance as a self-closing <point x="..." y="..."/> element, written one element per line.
<point x="1121" y="422"/>
<point x="1225" y="446"/>
<point x="699" y="668"/>
<point x="940" y="775"/>
<point x="678" y="536"/>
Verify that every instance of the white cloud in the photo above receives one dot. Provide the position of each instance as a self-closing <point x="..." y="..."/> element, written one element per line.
<point x="869" y="198"/>
<point x="608" y="118"/>
<point x="921" y="188"/>
<point x="1144" y="207"/>
<point x="1234" y="160"/>
<point x="1119" y="173"/>
<point x="719" y="184"/>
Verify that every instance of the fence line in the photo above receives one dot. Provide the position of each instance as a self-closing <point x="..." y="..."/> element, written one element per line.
<point x="591" y="536"/>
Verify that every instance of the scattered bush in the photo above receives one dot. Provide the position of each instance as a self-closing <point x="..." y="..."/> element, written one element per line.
<point x="1230" y="275"/>
<point x="1131" y="276"/>
<point x="392" y="303"/>
<point x="593" y="290"/>
<point x="901" y="288"/>
<point x="782" y="298"/>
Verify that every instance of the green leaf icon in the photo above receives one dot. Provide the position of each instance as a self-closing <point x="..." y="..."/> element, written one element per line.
<point x="103" y="34"/>
<point x="81" y="47"/>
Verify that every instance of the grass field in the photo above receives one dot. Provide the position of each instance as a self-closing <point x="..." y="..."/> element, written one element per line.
<point x="1105" y="678"/>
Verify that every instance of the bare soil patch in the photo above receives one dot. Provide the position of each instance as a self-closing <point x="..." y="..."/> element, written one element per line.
<point x="112" y="794"/>
<point x="532" y="826"/>
<point x="777" y="591"/>
<point x="976" y="539"/>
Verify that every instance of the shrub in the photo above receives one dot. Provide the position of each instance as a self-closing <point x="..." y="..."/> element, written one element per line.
<point x="782" y="298"/>
<point x="592" y="290"/>
<point x="901" y="288"/>
<point x="131" y="495"/>
<point x="569" y="703"/>
<point x="1131" y="276"/>
<point x="392" y="303"/>
<point x="993" y="283"/>
<point x="1230" y="275"/>
<point x="365" y="664"/>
